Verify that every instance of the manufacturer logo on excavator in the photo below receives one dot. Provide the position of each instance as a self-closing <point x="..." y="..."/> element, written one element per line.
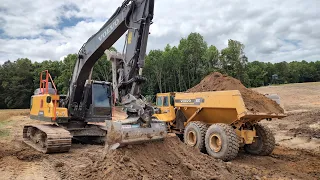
<point x="109" y="29"/>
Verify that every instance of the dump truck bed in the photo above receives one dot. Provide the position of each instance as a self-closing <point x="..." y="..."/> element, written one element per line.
<point x="218" y="107"/>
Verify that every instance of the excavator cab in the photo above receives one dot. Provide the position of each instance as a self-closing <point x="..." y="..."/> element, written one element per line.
<point x="99" y="103"/>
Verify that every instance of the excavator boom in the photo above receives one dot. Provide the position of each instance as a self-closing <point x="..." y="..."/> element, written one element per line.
<point x="133" y="16"/>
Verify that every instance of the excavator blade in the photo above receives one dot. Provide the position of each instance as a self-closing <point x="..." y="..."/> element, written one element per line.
<point x="128" y="131"/>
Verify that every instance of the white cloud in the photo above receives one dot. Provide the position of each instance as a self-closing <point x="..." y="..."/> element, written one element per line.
<point x="271" y="30"/>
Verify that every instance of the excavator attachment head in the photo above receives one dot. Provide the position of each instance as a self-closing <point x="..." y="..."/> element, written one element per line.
<point x="130" y="131"/>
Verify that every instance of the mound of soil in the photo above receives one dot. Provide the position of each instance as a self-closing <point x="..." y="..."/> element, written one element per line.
<point x="170" y="159"/>
<point x="254" y="101"/>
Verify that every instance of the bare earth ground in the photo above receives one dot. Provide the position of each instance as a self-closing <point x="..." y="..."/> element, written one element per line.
<point x="301" y="129"/>
<point x="297" y="155"/>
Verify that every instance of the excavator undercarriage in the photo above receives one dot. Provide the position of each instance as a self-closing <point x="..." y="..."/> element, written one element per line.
<point x="53" y="138"/>
<point x="47" y="138"/>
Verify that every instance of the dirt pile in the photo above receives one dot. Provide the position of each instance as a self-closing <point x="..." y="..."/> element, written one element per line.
<point x="253" y="100"/>
<point x="170" y="159"/>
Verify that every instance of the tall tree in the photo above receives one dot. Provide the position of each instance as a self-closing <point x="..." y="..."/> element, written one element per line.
<point x="234" y="61"/>
<point x="193" y="49"/>
<point x="17" y="83"/>
<point x="256" y="73"/>
<point x="212" y="58"/>
<point x="102" y="69"/>
<point x="157" y="65"/>
<point x="67" y="67"/>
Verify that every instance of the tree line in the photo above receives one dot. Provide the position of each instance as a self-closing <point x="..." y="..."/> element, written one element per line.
<point x="176" y="68"/>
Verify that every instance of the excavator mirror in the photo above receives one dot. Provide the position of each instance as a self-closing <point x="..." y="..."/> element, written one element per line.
<point x="48" y="99"/>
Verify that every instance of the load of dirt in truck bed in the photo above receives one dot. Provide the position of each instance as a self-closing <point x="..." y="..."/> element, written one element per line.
<point x="254" y="101"/>
<point x="168" y="159"/>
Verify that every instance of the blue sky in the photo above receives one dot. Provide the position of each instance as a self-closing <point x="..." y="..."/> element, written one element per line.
<point x="271" y="30"/>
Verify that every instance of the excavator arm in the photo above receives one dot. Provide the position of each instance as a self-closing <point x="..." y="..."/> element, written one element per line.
<point x="134" y="16"/>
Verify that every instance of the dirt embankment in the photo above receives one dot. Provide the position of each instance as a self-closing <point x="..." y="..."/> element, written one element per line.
<point x="170" y="159"/>
<point x="254" y="101"/>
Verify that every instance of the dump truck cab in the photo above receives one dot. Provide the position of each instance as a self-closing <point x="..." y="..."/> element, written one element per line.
<point x="165" y="110"/>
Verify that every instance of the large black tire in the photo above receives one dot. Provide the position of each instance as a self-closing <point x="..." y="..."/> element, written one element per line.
<point x="194" y="134"/>
<point x="264" y="142"/>
<point x="222" y="142"/>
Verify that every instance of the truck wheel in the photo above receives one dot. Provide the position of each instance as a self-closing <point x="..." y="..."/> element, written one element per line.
<point x="194" y="134"/>
<point x="222" y="142"/>
<point x="264" y="142"/>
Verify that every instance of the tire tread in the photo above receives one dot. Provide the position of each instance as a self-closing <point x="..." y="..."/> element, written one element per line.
<point x="269" y="140"/>
<point x="233" y="142"/>
<point x="203" y="129"/>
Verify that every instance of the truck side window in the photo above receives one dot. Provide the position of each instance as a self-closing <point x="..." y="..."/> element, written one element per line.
<point x="31" y="102"/>
<point x="165" y="101"/>
<point x="159" y="101"/>
<point x="171" y="100"/>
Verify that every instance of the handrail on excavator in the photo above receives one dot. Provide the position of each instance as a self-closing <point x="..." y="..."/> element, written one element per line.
<point x="44" y="88"/>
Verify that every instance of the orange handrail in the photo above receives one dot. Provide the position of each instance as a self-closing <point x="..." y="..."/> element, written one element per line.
<point x="44" y="85"/>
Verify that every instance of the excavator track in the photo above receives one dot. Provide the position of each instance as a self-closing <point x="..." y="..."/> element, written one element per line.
<point x="47" y="138"/>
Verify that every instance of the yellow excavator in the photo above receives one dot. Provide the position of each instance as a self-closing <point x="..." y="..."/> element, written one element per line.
<point x="88" y="102"/>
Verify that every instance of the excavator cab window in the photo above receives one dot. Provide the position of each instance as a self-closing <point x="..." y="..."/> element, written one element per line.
<point x="100" y="95"/>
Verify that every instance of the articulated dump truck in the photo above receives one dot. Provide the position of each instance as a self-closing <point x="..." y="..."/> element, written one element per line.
<point x="216" y="122"/>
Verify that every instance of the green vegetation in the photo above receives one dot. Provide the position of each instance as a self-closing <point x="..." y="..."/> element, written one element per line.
<point x="172" y="69"/>
<point x="3" y="131"/>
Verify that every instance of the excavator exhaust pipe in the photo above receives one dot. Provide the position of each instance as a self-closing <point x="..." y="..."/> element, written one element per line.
<point x="129" y="131"/>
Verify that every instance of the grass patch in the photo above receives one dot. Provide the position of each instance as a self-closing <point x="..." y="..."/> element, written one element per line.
<point x="5" y="115"/>
<point x="8" y="113"/>
<point x="3" y="131"/>
<point x="3" y="124"/>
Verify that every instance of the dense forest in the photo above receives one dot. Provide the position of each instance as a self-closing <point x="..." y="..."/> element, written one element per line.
<point x="171" y="69"/>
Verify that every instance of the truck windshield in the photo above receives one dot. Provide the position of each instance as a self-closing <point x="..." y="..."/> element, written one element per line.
<point x="159" y="101"/>
<point x="100" y="95"/>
